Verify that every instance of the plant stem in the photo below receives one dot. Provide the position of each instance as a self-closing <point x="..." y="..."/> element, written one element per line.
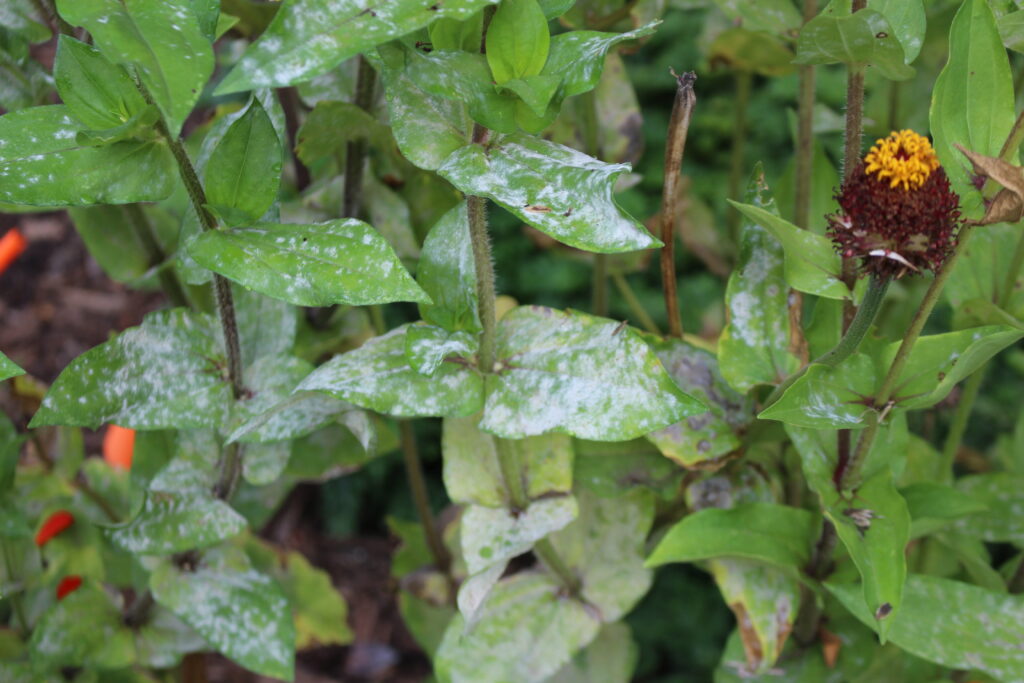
<point x="805" y="136"/>
<point x="418" y="487"/>
<point x="642" y="316"/>
<point x="512" y="474"/>
<point x="146" y="233"/>
<point x="860" y="325"/>
<point x="1016" y="582"/>
<point x="744" y="81"/>
<point x="931" y="298"/>
<point x="290" y="104"/>
<point x="550" y="557"/>
<point x="678" y="128"/>
<point x="592" y="146"/>
<point x="137" y="613"/>
<point x="355" y="151"/>
<point x="19" y="609"/>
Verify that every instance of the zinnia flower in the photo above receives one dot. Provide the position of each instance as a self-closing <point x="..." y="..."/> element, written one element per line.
<point x="898" y="213"/>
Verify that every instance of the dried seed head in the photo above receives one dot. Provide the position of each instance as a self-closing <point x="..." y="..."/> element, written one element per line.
<point x="898" y="213"/>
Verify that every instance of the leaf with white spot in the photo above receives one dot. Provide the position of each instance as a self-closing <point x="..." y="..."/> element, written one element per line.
<point x="41" y="164"/>
<point x="604" y="547"/>
<point x="447" y="273"/>
<point x="581" y="375"/>
<point x="427" y="347"/>
<point x="269" y="382"/>
<point x="164" y="639"/>
<point x="578" y="57"/>
<point x="266" y="326"/>
<point x="761" y="343"/>
<point x="561" y="192"/>
<point x="527" y="632"/>
<point x="706" y="436"/>
<point x="1003" y="493"/>
<point x="954" y="624"/>
<point x="309" y="37"/>
<point x="99" y="94"/>
<point x="193" y="466"/>
<point x="239" y="611"/>
<point x="86" y="628"/>
<point x="169" y="372"/>
<point x="378" y="376"/>
<point x="292" y="417"/>
<point x="178" y="522"/>
<point x="340" y="261"/>
<point x="161" y="40"/>
<point x="9" y="368"/>
<point x="827" y="396"/>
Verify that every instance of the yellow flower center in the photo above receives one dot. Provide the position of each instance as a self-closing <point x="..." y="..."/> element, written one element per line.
<point x="905" y="158"/>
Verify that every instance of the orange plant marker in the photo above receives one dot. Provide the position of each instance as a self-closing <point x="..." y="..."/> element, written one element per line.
<point x="118" y="446"/>
<point x="69" y="584"/>
<point x="54" y="524"/>
<point x="11" y="246"/>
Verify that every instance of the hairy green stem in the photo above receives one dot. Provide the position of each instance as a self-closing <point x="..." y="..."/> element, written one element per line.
<point x="860" y="325"/>
<point x="19" y="609"/>
<point x="642" y="316"/>
<point x="418" y="487"/>
<point x="804" y="141"/>
<point x="675" y="146"/>
<point x="146" y="233"/>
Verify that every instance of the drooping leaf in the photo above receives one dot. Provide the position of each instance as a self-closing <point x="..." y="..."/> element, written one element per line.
<point x="309" y="37"/>
<point x="99" y="94"/>
<point x="243" y="613"/>
<point x="244" y="169"/>
<point x="761" y="343"/>
<point x="84" y="629"/>
<point x="861" y="38"/>
<point x="578" y="374"/>
<point x="166" y="373"/>
<point x="161" y="41"/>
<point x="341" y="261"/>
<point x="953" y="624"/>
<point x="378" y="376"/>
<point x="555" y="189"/>
<point x="706" y="436"/>
<point x="811" y="263"/>
<point x="972" y="100"/>
<point x="321" y="613"/>
<point x="527" y="632"/>
<point x="778" y="535"/>
<point x="42" y="165"/>
<point x="178" y="522"/>
<point x="9" y="368"/>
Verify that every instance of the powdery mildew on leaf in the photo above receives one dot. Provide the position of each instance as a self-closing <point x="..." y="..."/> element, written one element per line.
<point x="169" y="372"/>
<point x="83" y="629"/>
<point x="8" y="368"/>
<point x="176" y="522"/>
<point x="341" y="261"/>
<point x="266" y="326"/>
<point x="581" y="375"/>
<point x="238" y="610"/>
<point x="269" y="382"/>
<point x="193" y="467"/>
<point x="292" y="417"/>
<point x="1003" y="493"/>
<point x="377" y="376"/>
<point x="492" y="535"/>
<point x="308" y="37"/>
<point x="164" y="639"/>
<point x="561" y="192"/>
<point x="527" y="632"/>
<point x="426" y="346"/>
<point x="827" y="397"/>
<point x="953" y="624"/>
<point x="447" y="273"/>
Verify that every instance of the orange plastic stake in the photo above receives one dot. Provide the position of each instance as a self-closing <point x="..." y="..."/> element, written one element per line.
<point x="54" y="524"/>
<point x="69" y="584"/>
<point x="11" y="246"/>
<point x="118" y="446"/>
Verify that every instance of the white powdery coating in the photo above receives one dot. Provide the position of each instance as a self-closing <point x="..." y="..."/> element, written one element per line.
<point x="1003" y="522"/>
<point x="176" y="522"/>
<point x="581" y="375"/>
<point x="427" y="128"/>
<point x="491" y="535"/>
<point x="427" y="346"/>
<point x="377" y="376"/>
<point x="447" y="273"/>
<point x="556" y="189"/>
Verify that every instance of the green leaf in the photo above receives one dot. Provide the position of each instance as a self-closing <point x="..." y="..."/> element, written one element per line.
<point x="22" y="18"/>
<point x="377" y="376"/>
<point x="166" y="373"/>
<point x="99" y="94"/>
<point x="426" y="347"/>
<point x="760" y="344"/>
<point x="178" y="522"/>
<point x="938" y="362"/>
<point x="811" y="262"/>
<point x="765" y="601"/>
<point x="862" y="38"/>
<point x="321" y="613"/>
<point x="266" y="327"/>
<point x="310" y="37"/>
<point x="294" y="416"/>
<point x="557" y="190"/>
<point x="705" y="436"/>
<point x="329" y="128"/>
<point x="9" y="368"/>
<point x="452" y="34"/>
<point x="517" y="40"/>
<point x="908" y="21"/>
<point x="472" y="473"/>
<point x="426" y="126"/>
<point x="208" y="15"/>
<point x="610" y="658"/>
<point x="154" y="38"/>
<point x="578" y="374"/>
<point x="112" y="238"/>
<point x="980" y="273"/>
<point x="778" y="535"/>
<point x="777" y="16"/>
<point x="244" y="170"/>
<point x="447" y="273"/>
<point x="972" y="100"/>
<point x="612" y="469"/>
<point x="527" y="632"/>
<point x="340" y="261"/>
<point x="242" y="613"/>
<point x="536" y="92"/>
<point x="163" y="640"/>
<point x="752" y="51"/>
<point x="86" y="628"/>
<point x="934" y="506"/>
<point x="1003" y="493"/>
<point x="41" y="164"/>
<point x="953" y="624"/>
<point x="604" y="547"/>
<point x="827" y="397"/>
<point x="1011" y="30"/>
